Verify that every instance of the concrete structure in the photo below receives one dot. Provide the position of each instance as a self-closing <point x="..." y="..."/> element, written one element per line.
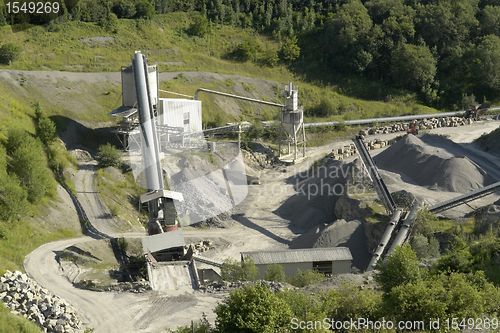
<point x="292" y="131"/>
<point x="331" y="261"/>
<point x="166" y="246"/>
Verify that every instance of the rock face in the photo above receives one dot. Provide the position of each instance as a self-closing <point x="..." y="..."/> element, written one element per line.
<point x="26" y="298"/>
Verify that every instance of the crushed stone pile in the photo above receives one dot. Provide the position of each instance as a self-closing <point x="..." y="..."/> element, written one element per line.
<point x="25" y="297"/>
<point x="313" y="204"/>
<point x="225" y="287"/>
<point x="433" y="167"/>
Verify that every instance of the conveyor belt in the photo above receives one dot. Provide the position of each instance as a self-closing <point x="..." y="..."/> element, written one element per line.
<point x="462" y="199"/>
<point x="378" y="182"/>
<point x="384" y="241"/>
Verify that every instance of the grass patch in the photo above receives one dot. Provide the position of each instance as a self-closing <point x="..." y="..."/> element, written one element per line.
<point x="121" y="197"/>
<point x="20" y="238"/>
<point x="13" y="324"/>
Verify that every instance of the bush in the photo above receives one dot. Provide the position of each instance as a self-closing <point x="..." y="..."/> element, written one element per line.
<point x="46" y="131"/>
<point x="199" y="27"/>
<point x="239" y="271"/>
<point x="28" y="162"/>
<point x="125" y="9"/>
<point x="247" y="51"/>
<point x="145" y="9"/>
<point x="9" y="52"/>
<point x="108" y="155"/>
<point x="275" y="272"/>
<point x="305" y="278"/>
<point x="252" y="309"/>
<point x="400" y="269"/>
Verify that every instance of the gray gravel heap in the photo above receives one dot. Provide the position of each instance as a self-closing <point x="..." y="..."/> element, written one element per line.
<point x="24" y="297"/>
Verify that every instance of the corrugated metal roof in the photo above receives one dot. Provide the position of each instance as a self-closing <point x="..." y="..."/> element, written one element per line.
<point x="299" y="255"/>
<point x="124" y="111"/>
<point x="163" y="241"/>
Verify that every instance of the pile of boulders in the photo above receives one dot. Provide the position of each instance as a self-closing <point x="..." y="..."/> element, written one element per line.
<point x="423" y="124"/>
<point x="26" y="298"/>
<point x="200" y="247"/>
<point x="225" y="287"/>
<point x="348" y="151"/>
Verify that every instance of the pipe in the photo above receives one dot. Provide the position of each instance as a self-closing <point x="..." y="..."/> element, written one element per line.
<point x="405" y="228"/>
<point x="154" y="179"/>
<point x="236" y="96"/>
<point x="386" y="237"/>
<point x="391" y="119"/>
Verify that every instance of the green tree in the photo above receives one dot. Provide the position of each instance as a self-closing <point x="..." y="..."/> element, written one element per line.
<point x="38" y="111"/>
<point x="108" y="155"/>
<point x="111" y="22"/>
<point x="447" y="24"/>
<point x="400" y="269"/>
<point x="290" y="50"/>
<point x="145" y="9"/>
<point x="487" y="64"/>
<point x="46" y="131"/>
<point x="12" y="195"/>
<point x="413" y="67"/>
<point x="252" y="309"/>
<point x="10" y="52"/>
<point x="349" y="301"/>
<point x="416" y="300"/>
<point x="490" y="20"/>
<point x="244" y="270"/>
<point x="306" y="277"/>
<point x="199" y="26"/>
<point x="248" y="50"/>
<point x="28" y="163"/>
<point x="13" y="198"/>
<point x="125" y="9"/>
<point x="275" y="272"/>
<point x="15" y="138"/>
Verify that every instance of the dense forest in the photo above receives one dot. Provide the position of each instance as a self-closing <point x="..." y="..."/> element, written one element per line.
<point x="447" y="52"/>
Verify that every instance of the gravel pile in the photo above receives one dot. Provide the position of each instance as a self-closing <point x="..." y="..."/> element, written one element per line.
<point x="225" y="287"/>
<point x="433" y="167"/>
<point x="26" y="298"/>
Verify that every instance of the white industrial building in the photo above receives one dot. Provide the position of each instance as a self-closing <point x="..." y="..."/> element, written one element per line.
<point x="174" y="115"/>
<point x="330" y="261"/>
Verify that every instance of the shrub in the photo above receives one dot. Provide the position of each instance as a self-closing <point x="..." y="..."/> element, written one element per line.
<point x="239" y="271"/>
<point x="108" y="155"/>
<point x="306" y="277"/>
<point x="247" y="51"/>
<point x="400" y="268"/>
<point x="46" y="131"/>
<point x="28" y="162"/>
<point x="252" y="309"/>
<point x="275" y="272"/>
<point x="125" y="9"/>
<point x="199" y="27"/>
<point x="145" y="9"/>
<point x="9" y="52"/>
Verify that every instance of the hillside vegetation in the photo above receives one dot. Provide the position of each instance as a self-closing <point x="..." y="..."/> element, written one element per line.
<point x="446" y="53"/>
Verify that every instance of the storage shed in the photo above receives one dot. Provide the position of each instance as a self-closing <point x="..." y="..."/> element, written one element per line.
<point x="331" y="261"/>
